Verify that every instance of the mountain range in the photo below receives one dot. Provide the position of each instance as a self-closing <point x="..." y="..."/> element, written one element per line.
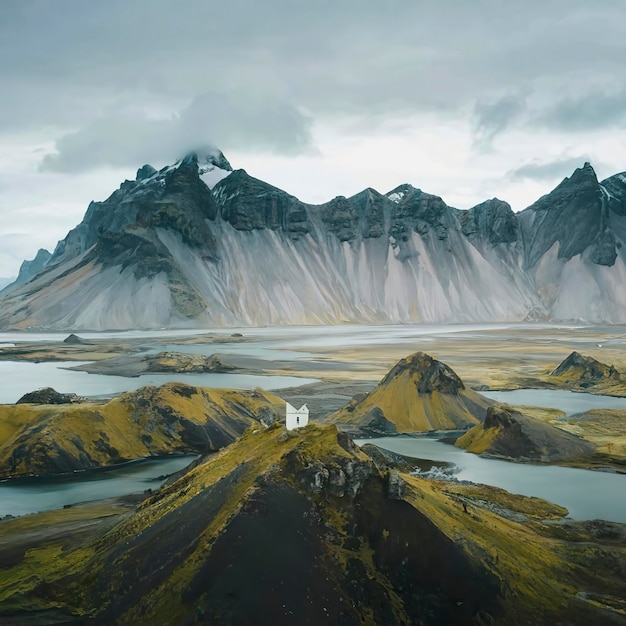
<point x="198" y="244"/>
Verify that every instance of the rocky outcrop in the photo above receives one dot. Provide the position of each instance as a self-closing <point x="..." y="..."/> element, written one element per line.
<point x="48" y="395"/>
<point x="418" y="394"/>
<point x="585" y="370"/>
<point x="428" y="374"/>
<point x="247" y="203"/>
<point x="508" y="434"/>
<point x="492" y="221"/>
<point x="30" y="269"/>
<point x="584" y="373"/>
<point x="165" y="362"/>
<point x="74" y="340"/>
<point x="573" y="215"/>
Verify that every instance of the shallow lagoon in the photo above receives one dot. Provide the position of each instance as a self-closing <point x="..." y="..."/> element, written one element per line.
<point x="571" y="402"/>
<point x="30" y="495"/>
<point x="19" y="378"/>
<point x="586" y="494"/>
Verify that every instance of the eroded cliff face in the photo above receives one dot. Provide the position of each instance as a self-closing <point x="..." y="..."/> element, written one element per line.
<point x="198" y="244"/>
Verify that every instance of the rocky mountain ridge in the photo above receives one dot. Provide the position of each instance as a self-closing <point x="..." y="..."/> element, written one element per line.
<point x="199" y="244"/>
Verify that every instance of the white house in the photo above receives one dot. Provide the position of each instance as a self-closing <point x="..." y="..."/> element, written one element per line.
<point x="296" y="418"/>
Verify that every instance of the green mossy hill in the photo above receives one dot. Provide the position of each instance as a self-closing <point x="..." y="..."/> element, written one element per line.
<point x="302" y="527"/>
<point x="508" y="434"/>
<point x="151" y="421"/>
<point x="580" y="372"/>
<point x="418" y="394"/>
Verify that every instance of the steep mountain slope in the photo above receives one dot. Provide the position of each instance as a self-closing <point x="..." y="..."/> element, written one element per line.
<point x="198" y="244"/>
<point x="40" y="439"/>
<point x="418" y="394"/>
<point x="303" y="527"/>
<point x="506" y="433"/>
<point x="573" y="247"/>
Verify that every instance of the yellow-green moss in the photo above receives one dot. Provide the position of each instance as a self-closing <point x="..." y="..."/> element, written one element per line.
<point x="478" y="439"/>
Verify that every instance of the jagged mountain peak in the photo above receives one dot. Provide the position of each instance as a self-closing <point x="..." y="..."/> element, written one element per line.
<point x="144" y="172"/>
<point x="209" y="162"/>
<point x="196" y="235"/>
<point x="574" y="217"/>
<point x="586" y="174"/>
<point x="492" y="221"/>
<point x="406" y="192"/>
<point x="207" y="157"/>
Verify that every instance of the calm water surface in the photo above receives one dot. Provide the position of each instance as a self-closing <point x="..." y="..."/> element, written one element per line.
<point x="18" y="378"/>
<point x="570" y="402"/>
<point x="586" y="494"/>
<point x="30" y="495"/>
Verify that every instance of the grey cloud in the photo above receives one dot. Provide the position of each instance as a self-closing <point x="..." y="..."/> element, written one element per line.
<point x="245" y="122"/>
<point x="587" y="113"/>
<point x="358" y="57"/>
<point x="549" y="170"/>
<point x="493" y="117"/>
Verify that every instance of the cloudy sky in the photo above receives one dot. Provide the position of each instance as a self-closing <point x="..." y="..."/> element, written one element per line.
<point x="468" y="100"/>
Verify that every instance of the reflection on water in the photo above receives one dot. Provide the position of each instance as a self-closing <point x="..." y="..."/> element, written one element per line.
<point x="586" y="494"/>
<point x="30" y="495"/>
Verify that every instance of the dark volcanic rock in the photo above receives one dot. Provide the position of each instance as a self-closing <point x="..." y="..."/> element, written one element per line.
<point x="145" y="172"/>
<point x="176" y="198"/>
<point x="574" y="215"/>
<point x="74" y="340"/>
<point x="385" y="459"/>
<point x="48" y="395"/>
<point x="418" y="211"/>
<point x="585" y="369"/>
<point x="247" y="203"/>
<point x="362" y="216"/>
<point x="375" y="424"/>
<point x="432" y="375"/>
<point x="522" y="438"/>
<point x="615" y="193"/>
<point x="492" y="221"/>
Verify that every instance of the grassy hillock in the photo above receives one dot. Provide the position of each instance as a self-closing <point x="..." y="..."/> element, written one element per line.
<point x="508" y="434"/>
<point x="151" y="421"/>
<point x="418" y="394"/>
